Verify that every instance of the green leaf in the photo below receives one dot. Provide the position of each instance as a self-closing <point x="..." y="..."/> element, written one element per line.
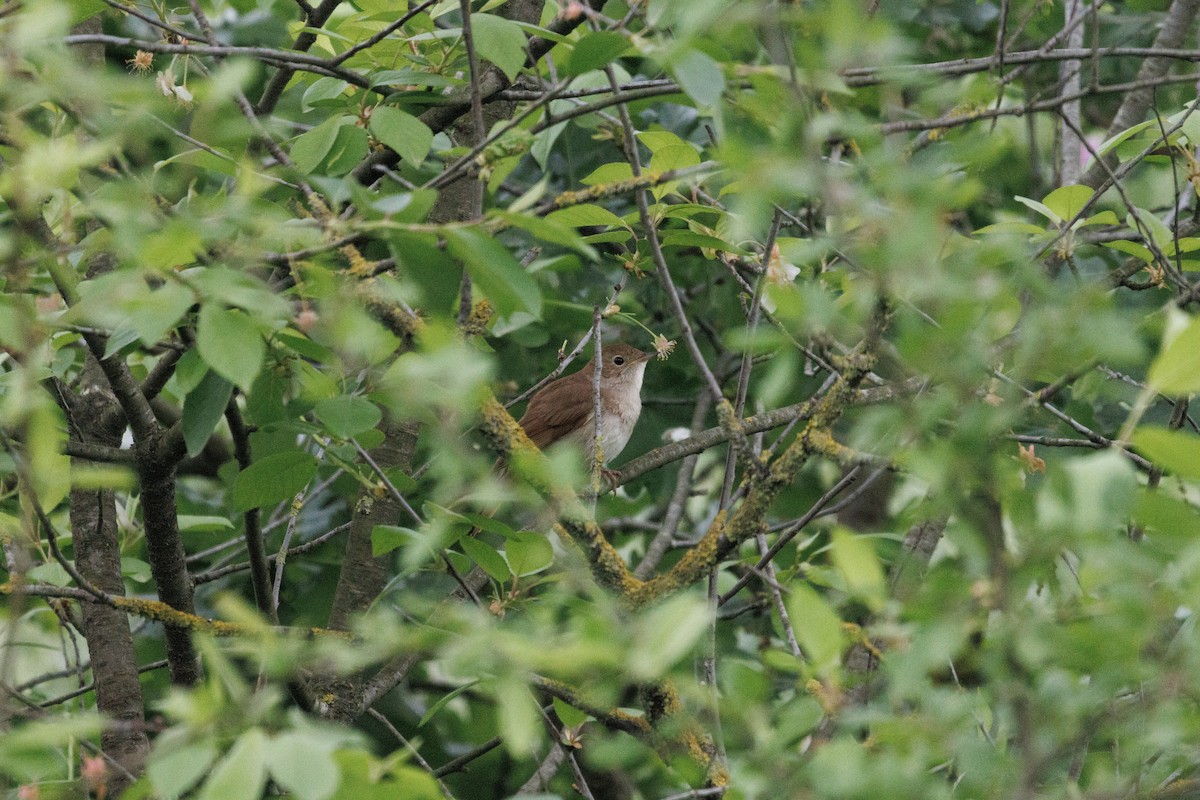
<point x="528" y="552"/>
<point x="193" y="523"/>
<point x="666" y="634"/>
<point x="1167" y="516"/>
<point x="174" y="769"/>
<point x="693" y="239"/>
<point x="520" y="721"/>
<point x="1176" y="370"/>
<point x="400" y="479"/>
<point x="596" y="50"/>
<point x="349" y="148"/>
<point x="585" y="214"/>
<point x="1175" y="451"/>
<point x="659" y="140"/>
<point x="412" y="77"/>
<point x="346" y="417"/>
<point x="404" y="133"/>
<point x="301" y="763"/>
<point x="50" y="572"/>
<point x="818" y="628"/>
<point x="322" y="92"/>
<point x="1067" y="201"/>
<point x="569" y="715"/>
<point x="500" y="41"/>
<point x="230" y="343"/>
<point x="386" y="538"/>
<point x="189" y="371"/>
<point x="856" y="560"/>
<point x="273" y="479"/>
<point x="442" y="702"/>
<point x="119" y="339"/>
<point x="700" y="76"/>
<point x="495" y="271"/>
<point x="310" y="148"/>
<point x="1040" y="208"/>
<point x="241" y="774"/>
<point x="85" y="9"/>
<point x="1103" y="218"/>
<point x="135" y="569"/>
<point x="1187" y="244"/>
<point x="609" y="236"/>
<point x="679" y="156"/>
<point x="1011" y="227"/>
<point x="202" y="410"/>
<point x="490" y="524"/>
<point x="158" y="312"/>
<point x="549" y="231"/>
<point x="609" y="173"/>
<point x="487" y="558"/>
<point x="1115" y="140"/>
<point x="1160" y="234"/>
<point x="1132" y="248"/>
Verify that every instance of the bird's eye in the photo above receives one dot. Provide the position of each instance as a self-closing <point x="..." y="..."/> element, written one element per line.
<point x="618" y="360"/>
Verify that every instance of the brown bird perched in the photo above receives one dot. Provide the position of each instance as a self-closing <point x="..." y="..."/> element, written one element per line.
<point x="564" y="409"/>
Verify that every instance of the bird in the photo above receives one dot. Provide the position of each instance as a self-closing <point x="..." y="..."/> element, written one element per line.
<point x="564" y="409"/>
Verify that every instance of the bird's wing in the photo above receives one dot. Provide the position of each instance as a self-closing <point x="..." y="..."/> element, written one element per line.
<point x="555" y="412"/>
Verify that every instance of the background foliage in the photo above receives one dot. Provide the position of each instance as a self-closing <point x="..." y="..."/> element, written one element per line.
<point x="911" y="507"/>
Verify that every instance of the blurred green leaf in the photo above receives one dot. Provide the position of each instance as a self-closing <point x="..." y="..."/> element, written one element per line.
<point x="700" y="76"/>
<point x="494" y="270"/>
<point x="442" y="702"/>
<point x="1175" y="451"/>
<point x="177" y="765"/>
<point x="855" y="558"/>
<point x="666" y="633"/>
<point x="302" y="763"/>
<point x="817" y="627"/>
<point x="1176" y="370"/>
<point x="230" y="343"/>
<point x="241" y="774"/>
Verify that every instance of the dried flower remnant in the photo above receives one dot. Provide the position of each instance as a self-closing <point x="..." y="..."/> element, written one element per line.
<point x="1029" y="460"/>
<point x="142" y="61"/>
<point x="663" y="347"/>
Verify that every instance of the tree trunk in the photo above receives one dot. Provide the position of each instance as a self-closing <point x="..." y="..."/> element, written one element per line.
<point x="98" y="558"/>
